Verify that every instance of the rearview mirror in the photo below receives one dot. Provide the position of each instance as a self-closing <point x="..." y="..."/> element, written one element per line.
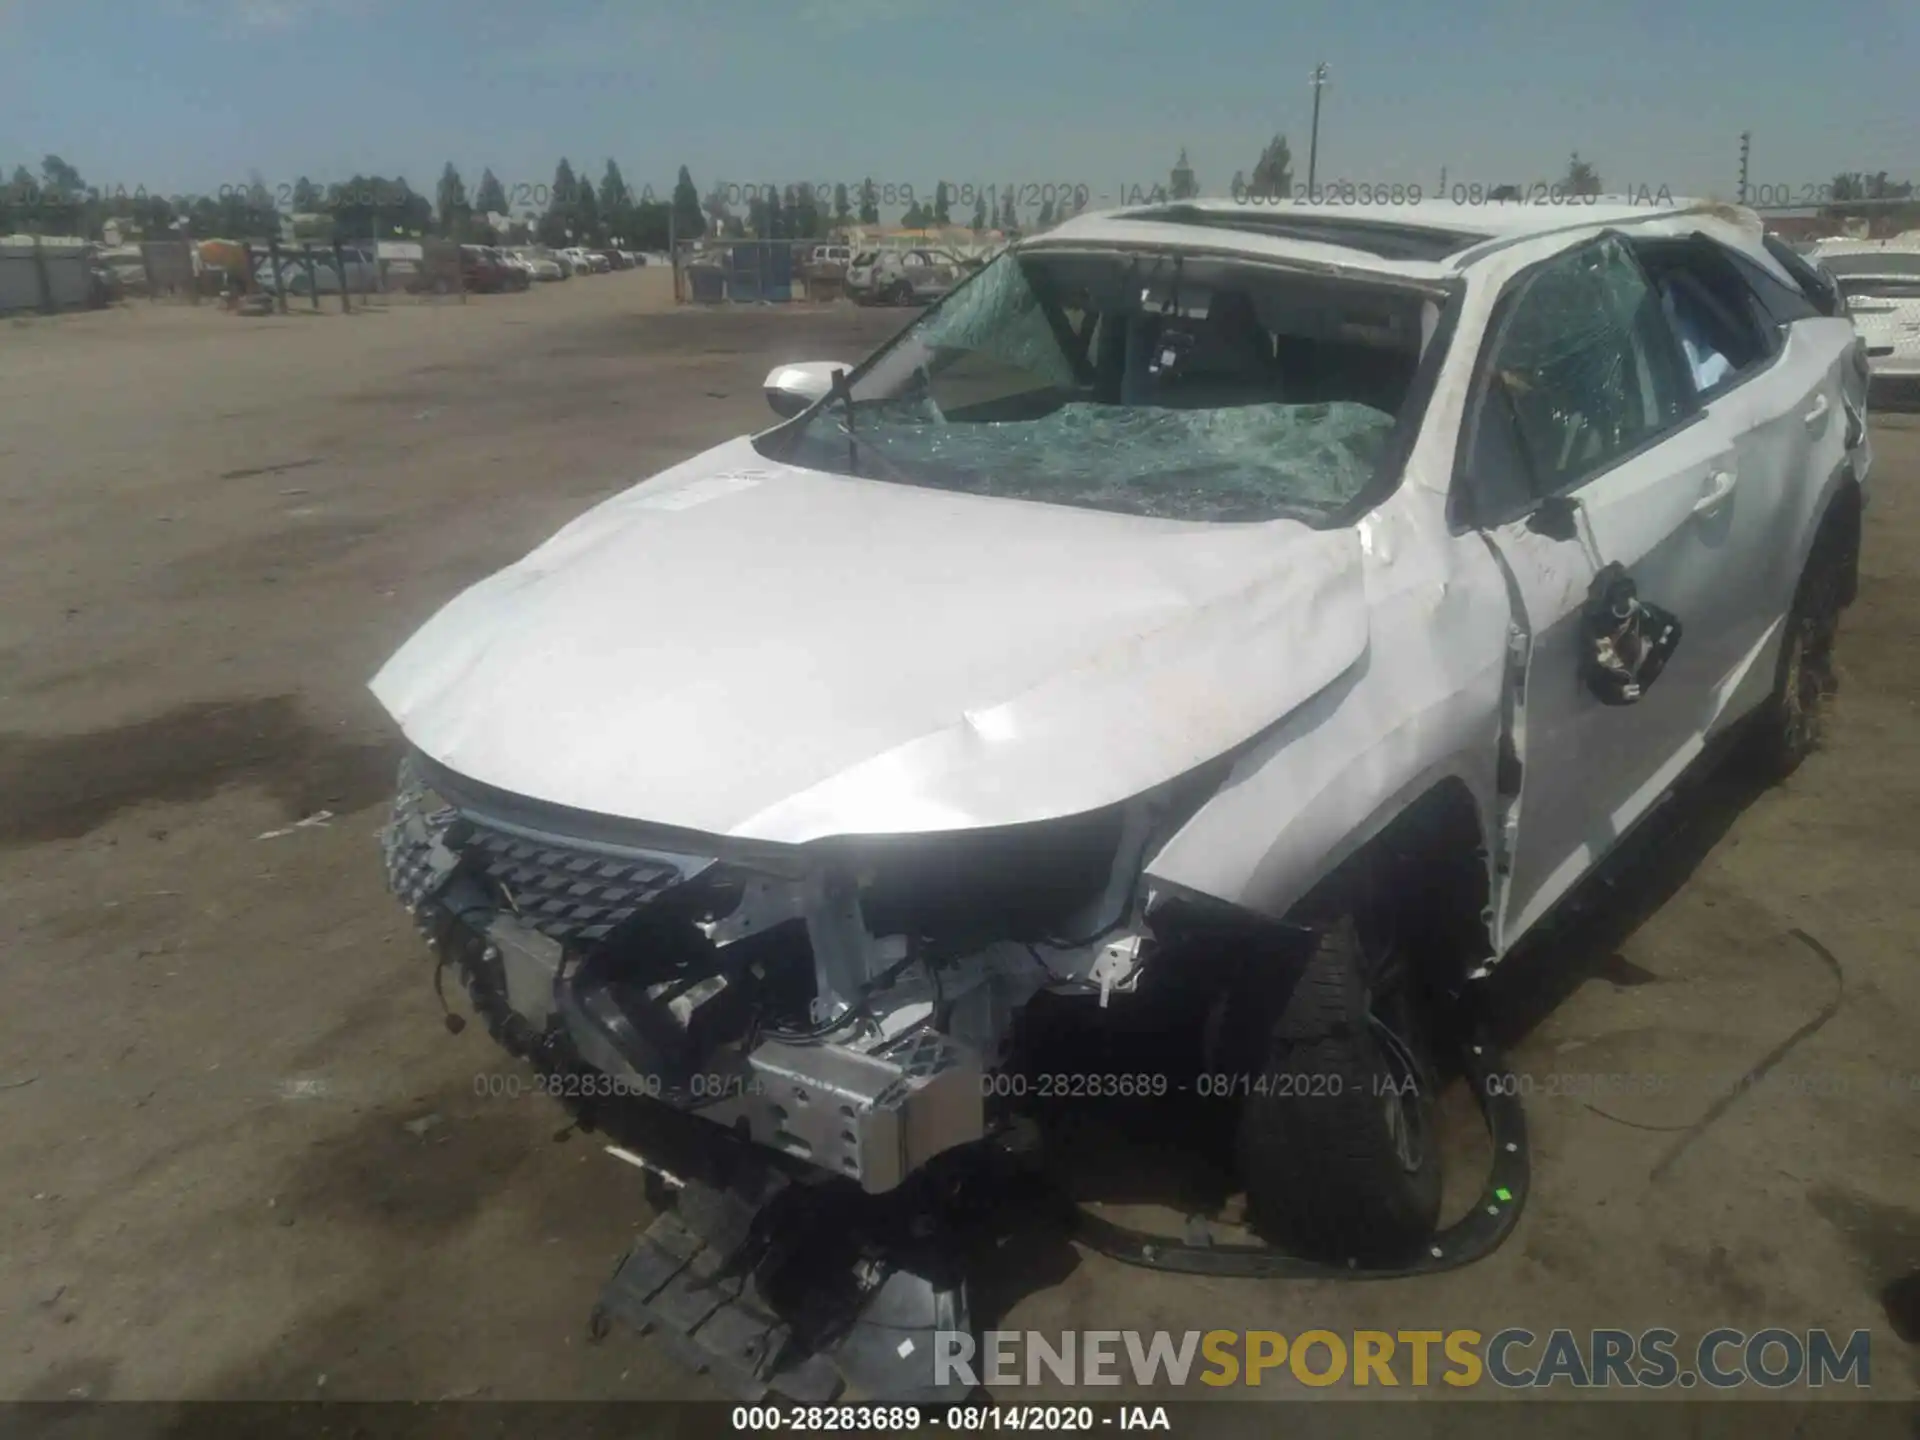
<point x="792" y="388"/>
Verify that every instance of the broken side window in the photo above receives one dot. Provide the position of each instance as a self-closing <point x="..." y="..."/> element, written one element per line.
<point x="1583" y="371"/>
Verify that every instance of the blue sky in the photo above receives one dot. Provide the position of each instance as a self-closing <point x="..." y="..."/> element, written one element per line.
<point x="188" y="95"/>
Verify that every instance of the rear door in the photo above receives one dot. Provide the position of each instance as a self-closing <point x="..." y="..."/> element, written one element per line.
<point x="1586" y="447"/>
<point x="1784" y="401"/>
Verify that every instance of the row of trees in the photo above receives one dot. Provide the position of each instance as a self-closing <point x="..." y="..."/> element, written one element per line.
<point x="796" y="212"/>
<point x="1854" y="185"/>
<point x="572" y="210"/>
<point x="56" y="200"/>
<point x="575" y="211"/>
<point x="1273" y="176"/>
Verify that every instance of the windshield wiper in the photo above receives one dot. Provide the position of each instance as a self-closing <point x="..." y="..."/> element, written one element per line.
<point x="884" y="468"/>
<point x="843" y="392"/>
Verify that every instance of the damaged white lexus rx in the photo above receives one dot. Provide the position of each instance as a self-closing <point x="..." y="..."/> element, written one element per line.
<point x="1292" y="602"/>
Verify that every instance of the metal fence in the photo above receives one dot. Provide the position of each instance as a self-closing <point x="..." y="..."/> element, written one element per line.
<point x="44" y="275"/>
<point x="349" y="273"/>
<point x="778" y="272"/>
<point x="170" y="269"/>
<point x="274" y="274"/>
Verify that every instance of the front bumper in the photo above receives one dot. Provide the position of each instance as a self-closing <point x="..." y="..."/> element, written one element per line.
<point x="523" y="919"/>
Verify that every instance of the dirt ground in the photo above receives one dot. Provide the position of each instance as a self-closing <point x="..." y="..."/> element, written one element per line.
<point x="240" y="1154"/>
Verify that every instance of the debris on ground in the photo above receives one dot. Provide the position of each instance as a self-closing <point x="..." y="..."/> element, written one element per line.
<point x="319" y="817"/>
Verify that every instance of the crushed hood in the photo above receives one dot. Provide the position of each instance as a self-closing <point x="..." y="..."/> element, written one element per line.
<point x="745" y="648"/>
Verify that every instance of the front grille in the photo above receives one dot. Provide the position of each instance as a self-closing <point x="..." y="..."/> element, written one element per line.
<point x="416" y="867"/>
<point x="567" y="891"/>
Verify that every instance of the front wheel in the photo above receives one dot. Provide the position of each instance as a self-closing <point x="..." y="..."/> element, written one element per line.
<point x="1787" y="727"/>
<point x="1337" y="1144"/>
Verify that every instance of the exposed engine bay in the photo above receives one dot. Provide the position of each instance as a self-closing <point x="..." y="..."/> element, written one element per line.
<point x="828" y="1026"/>
<point x="841" y="1017"/>
<point x="825" y="1030"/>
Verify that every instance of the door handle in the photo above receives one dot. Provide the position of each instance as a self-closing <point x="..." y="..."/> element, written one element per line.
<point x="1818" y="412"/>
<point x="1718" y="487"/>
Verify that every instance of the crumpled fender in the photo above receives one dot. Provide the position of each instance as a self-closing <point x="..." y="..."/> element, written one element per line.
<point x="1422" y="708"/>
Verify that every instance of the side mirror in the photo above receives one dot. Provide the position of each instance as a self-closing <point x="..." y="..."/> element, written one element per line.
<point x="792" y="388"/>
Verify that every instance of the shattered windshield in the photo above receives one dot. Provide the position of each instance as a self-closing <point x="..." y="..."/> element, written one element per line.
<point x="1170" y="386"/>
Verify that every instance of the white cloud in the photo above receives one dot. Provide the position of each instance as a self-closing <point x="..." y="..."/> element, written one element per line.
<point x="264" y="15"/>
<point x="853" y="14"/>
<point x="268" y="14"/>
<point x="608" y="40"/>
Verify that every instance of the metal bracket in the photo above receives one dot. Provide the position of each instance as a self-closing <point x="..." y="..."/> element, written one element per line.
<point x="1117" y="967"/>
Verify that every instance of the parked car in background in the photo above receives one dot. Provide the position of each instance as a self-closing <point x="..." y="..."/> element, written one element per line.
<point x="860" y="271"/>
<point x="103" y="282"/>
<point x="128" y="267"/>
<point x="484" y="272"/>
<point x="519" y="272"/>
<point x="541" y="265"/>
<point x="1880" y="282"/>
<point x="903" y="277"/>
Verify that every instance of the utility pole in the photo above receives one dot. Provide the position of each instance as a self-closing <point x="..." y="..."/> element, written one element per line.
<point x="1746" y="144"/>
<point x="1313" y="142"/>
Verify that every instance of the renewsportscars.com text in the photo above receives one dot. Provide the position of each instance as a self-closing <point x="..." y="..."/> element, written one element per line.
<point x="1511" y="1359"/>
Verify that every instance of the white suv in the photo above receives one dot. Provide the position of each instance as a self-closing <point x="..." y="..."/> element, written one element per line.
<point x="1284" y="606"/>
<point x="1881" y="282"/>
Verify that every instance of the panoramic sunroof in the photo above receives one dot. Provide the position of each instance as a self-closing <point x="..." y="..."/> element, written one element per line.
<point x="1388" y="240"/>
<point x="1872" y="262"/>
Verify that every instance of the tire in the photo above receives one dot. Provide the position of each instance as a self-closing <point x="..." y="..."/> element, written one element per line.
<point x="1336" y="1141"/>
<point x="1787" y="727"/>
<point x="903" y="294"/>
